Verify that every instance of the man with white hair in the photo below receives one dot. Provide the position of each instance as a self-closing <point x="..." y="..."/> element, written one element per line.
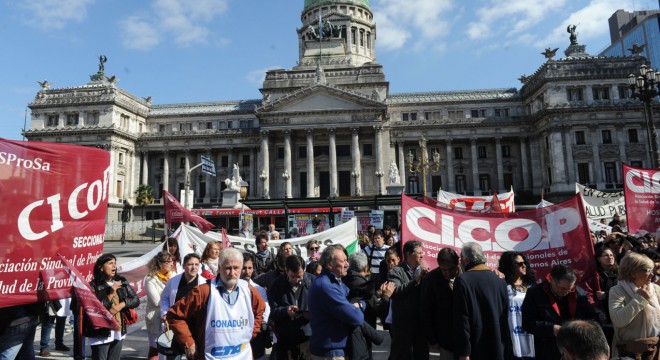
<point x="218" y="319"/>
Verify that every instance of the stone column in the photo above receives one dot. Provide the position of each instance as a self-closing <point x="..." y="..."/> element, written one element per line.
<point x="265" y="163"/>
<point x="333" y="163"/>
<point x="451" y="181"/>
<point x="253" y="171"/>
<point x="557" y="159"/>
<point x="597" y="166"/>
<point x="287" y="163"/>
<point x="145" y="167"/>
<point x="132" y="173"/>
<point x="475" y="165"/>
<point x="536" y="166"/>
<point x="402" y="162"/>
<point x="523" y="161"/>
<point x="621" y="139"/>
<point x="186" y="168"/>
<point x="219" y="178"/>
<point x="378" y="132"/>
<point x="166" y="170"/>
<point x="500" y="168"/>
<point x="310" y="163"/>
<point x="568" y="150"/>
<point x="355" y="157"/>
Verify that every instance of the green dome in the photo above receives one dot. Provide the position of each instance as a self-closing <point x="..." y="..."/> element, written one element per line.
<point x="310" y="3"/>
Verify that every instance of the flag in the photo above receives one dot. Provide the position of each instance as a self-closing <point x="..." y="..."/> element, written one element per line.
<point x="225" y="240"/>
<point x="97" y="314"/>
<point x="175" y="212"/>
<point x="495" y="205"/>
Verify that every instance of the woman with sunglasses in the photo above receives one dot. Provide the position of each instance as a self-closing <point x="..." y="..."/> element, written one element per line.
<point x="519" y="276"/>
<point x="160" y="271"/>
<point x="635" y="309"/>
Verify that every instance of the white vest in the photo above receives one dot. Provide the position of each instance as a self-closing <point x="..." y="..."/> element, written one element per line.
<point x="523" y="342"/>
<point x="229" y="327"/>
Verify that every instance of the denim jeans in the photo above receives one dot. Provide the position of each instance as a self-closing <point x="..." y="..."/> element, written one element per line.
<point x="109" y="351"/>
<point x="59" y="322"/>
<point x="17" y="340"/>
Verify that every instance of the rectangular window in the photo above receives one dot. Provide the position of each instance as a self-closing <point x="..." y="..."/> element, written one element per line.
<point x="280" y="152"/>
<point x="368" y="40"/>
<point x="506" y="151"/>
<point x="367" y="150"/>
<point x="481" y="151"/>
<point x="302" y="152"/>
<point x="600" y="92"/>
<point x="72" y="119"/>
<point x="244" y="124"/>
<point x="456" y="114"/>
<point x="478" y="113"/>
<point x="607" y="136"/>
<point x="92" y="118"/>
<point x="502" y="112"/>
<point x="413" y="185"/>
<point x="182" y="163"/>
<point x="53" y="120"/>
<point x="121" y="158"/>
<point x="353" y="36"/>
<point x="119" y="188"/>
<point x="361" y="38"/>
<point x="202" y="189"/>
<point x="321" y="150"/>
<point x="458" y="153"/>
<point x="209" y="125"/>
<point x="230" y="124"/>
<point x="632" y="136"/>
<point x="549" y="173"/>
<point x="624" y="92"/>
<point x="583" y="173"/>
<point x="414" y="154"/>
<point x="433" y="115"/>
<point x="405" y="117"/>
<point x="162" y="128"/>
<point x="484" y="182"/>
<point x="508" y="180"/>
<point x="610" y="172"/>
<point x="636" y="163"/>
<point x="579" y="138"/>
<point x="460" y="184"/>
<point x="574" y="94"/>
<point x="162" y="163"/>
<point x="246" y="160"/>
<point x="225" y="161"/>
<point x="343" y="150"/>
<point x="123" y="121"/>
<point x="474" y="113"/>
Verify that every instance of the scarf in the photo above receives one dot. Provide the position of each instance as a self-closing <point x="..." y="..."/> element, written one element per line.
<point x="651" y="310"/>
<point x="164" y="276"/>
<point x="213" y="265"/>
<point x="115" y="301"/>
<point x="572" y="300"/>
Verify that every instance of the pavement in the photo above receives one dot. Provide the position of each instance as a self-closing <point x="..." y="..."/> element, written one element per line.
<point x="136" y="344"/>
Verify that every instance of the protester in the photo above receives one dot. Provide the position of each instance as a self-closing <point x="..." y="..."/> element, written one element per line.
<point x="172" y="247"/>
<point x="274" y="235"/>
<point x="160" y="271"/>
<point x="550" y="304"/>
<point x="286" y="248"/>
<point x="313" y="253"/>
<point x="264" y="259"/>
<point x="266" y="279"/>
<point x="481" y="311"/>
<point x="363" y="240"/>
<point x="376" y="253"/>
<point x="598" y="288"/>
<point x="582" y="340"/>
<point x="371" y="230"/>
<point x="293" y="233"/>
<point x="634" y="307"/>
<point x="436" y="302"/>
<point x="209" y="262"/>
<point x="262" y="341"/>
<point x="391" y="260"/>
<point x="55" y="316"/>
<point x="408" y="341"/>
<point x="18" y="325"/>
<point x="290" y="310"/>
<point x="178" y="287"/>
<point x="519" y="277"/>
<point x="271" y="229"/>
<point x="245" y="231"/>
<point x="228" y="299"/>
<point x="314" y="268"/>
<point x="117" y="296"/>
<point x="332" y="316"/>
<point x="615" y="221"/>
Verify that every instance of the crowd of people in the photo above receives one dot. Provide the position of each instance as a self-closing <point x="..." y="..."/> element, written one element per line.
<point x="228" y="302"/>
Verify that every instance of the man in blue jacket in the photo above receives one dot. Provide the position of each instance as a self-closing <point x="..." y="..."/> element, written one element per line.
<point x="332" y="317"/>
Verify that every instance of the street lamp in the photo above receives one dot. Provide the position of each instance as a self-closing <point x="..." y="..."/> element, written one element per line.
<point x="379" y="174"/>
<point x="263" y="177"/>
<point x="286" y="177"/>
<point x="423" y="165"/>
<point x="356" y="175"/>
<point x="645" y="88"/>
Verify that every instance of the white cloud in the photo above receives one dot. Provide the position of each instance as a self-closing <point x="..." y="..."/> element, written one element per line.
<point x="138" y="34"/>
<point x="185" y="22"/>
<point x="399" y="20"/>
<point x="257" y="77"/>
<point x="55" y="14"/>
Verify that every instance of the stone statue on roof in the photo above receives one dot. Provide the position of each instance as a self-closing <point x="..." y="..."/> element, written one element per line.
<point x="102" y="61"/>
<point x="571" y="30"/>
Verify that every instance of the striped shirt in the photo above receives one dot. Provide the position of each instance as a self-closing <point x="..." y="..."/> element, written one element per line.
<point x="377" y="256"/>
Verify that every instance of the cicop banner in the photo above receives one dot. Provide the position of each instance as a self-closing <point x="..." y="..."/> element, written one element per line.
<point x="55" y="199"/>
<point x="600" y="204"/>
<point x="642" y="193"/>
<point x="556" y="234"/>
<point x="476" y="203"/>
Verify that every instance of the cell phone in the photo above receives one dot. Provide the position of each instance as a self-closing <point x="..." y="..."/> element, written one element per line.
<point x="299" y="312"/>
<point x="316" y="254"/>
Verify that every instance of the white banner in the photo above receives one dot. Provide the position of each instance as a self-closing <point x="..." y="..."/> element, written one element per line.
<point x="594" y="225"/>
<point x="476" y="203"/>
<point x="600" y="204"/>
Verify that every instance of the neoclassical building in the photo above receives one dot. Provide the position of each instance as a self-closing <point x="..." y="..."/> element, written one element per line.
<point x="329" y="127"/>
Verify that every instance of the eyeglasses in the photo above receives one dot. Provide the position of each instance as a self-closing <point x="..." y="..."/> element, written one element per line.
<point x="520" y="264"/>
<point x="314" y="249"/>
<point x="169" y="261"/>
<point x="647" y="271"/>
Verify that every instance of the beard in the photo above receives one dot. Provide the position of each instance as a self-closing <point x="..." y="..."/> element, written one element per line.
<point x="229" y="283"/>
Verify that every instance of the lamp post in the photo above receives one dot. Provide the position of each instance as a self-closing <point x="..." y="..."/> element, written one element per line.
<point x="263" y="177"/>
<point x="356" y="175"/>
<point x="286" y="177"/>
<point x="646" y="87"/>
<point x="379" y="174"/>
<point x="423" y="165"/>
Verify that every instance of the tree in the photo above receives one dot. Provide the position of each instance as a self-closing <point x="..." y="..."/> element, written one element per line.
<point x="144" y="196"/>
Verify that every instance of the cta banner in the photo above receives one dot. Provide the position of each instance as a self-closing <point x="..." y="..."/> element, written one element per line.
<point x="600" y="204"/>
<point x="482" y="204"/>
<point x="55" y="199"/>
<point x="175" y="212"/>
<point x="642" y="188"/>
<point x="552" y="235"/>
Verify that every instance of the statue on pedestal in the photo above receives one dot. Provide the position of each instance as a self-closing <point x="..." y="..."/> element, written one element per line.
<point x="235" y="182"/>
<point x="394" y="174"/>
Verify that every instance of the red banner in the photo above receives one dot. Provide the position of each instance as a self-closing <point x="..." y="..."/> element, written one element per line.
<point x="175" y="212"/>
<point x="55" y="199"/>
<point x="557" y="234"/>
<point x="98" y="315"/>
<point x="641" y="189"/>
<point x="225" y="240"/>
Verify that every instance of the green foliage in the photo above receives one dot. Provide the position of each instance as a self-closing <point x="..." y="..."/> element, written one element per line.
<point x="144" y="196"/>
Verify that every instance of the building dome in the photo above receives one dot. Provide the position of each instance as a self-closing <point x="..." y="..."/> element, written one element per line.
<point x="310" y="3"/>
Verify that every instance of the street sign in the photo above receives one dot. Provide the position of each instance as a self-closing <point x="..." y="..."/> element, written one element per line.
<point x="208" y="166"/>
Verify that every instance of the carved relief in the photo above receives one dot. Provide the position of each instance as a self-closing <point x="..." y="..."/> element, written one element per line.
<point x="608" y="150"/>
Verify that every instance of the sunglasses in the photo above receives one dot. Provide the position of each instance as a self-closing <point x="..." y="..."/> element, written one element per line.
<point x="313" y="249"/>
<point x="520" y="264"/>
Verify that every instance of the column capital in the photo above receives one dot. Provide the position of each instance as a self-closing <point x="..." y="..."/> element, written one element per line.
<point x="355" y="130"/>
<point x="473" y="140"/>
<point x="287" y="132"/>
<point x="310" y="132"/>
<point x="449" y="141"/>
<point x="332" y="131"/>
<point x="378" y="128"/>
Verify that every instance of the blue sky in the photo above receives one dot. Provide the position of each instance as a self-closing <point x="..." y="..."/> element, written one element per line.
<point x="213" y="50"/>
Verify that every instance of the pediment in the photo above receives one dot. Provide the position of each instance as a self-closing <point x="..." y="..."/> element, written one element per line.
<point x="321" y="98"/>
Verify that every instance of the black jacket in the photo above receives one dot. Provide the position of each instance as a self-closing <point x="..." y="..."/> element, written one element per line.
<point x="280" y="297"/>
<point x="101" y="290"/>
<point x="362" y="289"/>
<point x="359" y="343"/>
<point x="437" y="304"/>
<point x="539" y="317"/>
